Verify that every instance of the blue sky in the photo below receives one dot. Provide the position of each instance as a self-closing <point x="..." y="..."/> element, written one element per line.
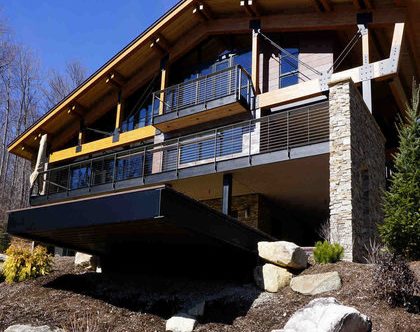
<point x="91" y="31"/>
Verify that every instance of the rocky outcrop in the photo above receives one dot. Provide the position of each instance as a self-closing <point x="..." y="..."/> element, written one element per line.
<point x="181" y="323"/>
<point x="29" y="328"/>
<point x="271" y="278"/>
<point x="312" y="284"/>
<point x="327" y="315"/>
<point x="283" y="253"/>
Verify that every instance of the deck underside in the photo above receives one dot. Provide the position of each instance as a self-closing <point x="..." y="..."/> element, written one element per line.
<point x="141" y="222"/>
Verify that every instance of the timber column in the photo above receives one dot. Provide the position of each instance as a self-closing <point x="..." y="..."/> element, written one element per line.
<point x="357" y="170"/>
<point x="157" y="164"/>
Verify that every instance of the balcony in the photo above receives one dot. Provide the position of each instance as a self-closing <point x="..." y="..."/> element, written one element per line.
<point x="278" y="137"/>
<point x="222" y="94"/>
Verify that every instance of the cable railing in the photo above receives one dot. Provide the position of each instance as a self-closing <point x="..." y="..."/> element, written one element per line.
<point x="233" y="81"/>
<point x="281" y="131"/>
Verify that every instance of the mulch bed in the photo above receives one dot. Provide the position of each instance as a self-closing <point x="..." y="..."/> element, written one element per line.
<point x="70" y="298"/>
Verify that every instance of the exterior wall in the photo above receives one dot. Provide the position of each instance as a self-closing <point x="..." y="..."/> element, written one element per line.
<point x="357" y="170"/>
<point x="315" y="50"/>
<point x="317" y="53"/>
<point x="252" y="210"/>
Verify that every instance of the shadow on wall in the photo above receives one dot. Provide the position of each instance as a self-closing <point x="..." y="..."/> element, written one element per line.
<point x="295" y="224"/>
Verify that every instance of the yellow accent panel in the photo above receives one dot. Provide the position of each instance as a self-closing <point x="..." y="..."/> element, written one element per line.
<point x="104" y="144"/>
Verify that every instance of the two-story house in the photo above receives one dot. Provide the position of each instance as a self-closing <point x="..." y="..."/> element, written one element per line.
<point x="226" y="123"/>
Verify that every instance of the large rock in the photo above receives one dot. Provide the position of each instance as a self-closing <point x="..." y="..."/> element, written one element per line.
<point x="271" y="278"/>
<point x="283" y="253"/>
<point x="29" y="328"/>
<point x="312" y="284"/>
<point x="327" y="315"/>
<point x="3" y="257"/>
<point x="180" y="323"/>
<point x="85" y="260"/>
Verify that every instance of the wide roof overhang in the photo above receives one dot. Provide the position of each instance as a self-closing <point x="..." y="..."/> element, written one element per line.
<point x="179" y="30"/>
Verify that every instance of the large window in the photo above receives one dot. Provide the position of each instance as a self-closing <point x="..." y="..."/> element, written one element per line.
<point x="229" y="141"/>
<point x="289" y="67"/>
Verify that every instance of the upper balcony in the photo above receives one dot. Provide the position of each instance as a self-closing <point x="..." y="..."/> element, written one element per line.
<point x="282" y="136"/>
<point x="218" y="95"/>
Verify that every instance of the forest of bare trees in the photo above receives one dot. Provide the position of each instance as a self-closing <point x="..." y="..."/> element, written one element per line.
<point x="26" y="92"/>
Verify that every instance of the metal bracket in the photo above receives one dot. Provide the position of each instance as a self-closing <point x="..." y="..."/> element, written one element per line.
<point x="324" y="80"/>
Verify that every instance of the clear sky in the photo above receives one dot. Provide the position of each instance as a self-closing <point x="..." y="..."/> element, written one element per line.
<point x="91" y="31"/>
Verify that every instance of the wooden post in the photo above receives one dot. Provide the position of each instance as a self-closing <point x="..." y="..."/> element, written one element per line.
<point x="255" y="75"/>
<point x="163" y="83"/>
<point x="118" y="118"/>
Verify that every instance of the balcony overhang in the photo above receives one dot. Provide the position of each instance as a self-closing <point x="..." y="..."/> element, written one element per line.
<point x="195" y="115"/>
<point x="139" y="219"/>
<point x="210" y="97"/>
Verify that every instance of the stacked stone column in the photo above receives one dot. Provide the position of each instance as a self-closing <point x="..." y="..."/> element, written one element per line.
<point x="357" y="170"/>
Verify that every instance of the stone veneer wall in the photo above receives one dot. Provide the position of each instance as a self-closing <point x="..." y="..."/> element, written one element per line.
<point x="357" y="170"/>
<point x="250" y="209"/>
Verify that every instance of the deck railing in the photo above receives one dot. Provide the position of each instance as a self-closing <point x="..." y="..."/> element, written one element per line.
<point x="231" y="81"/>
<point x="285" y="130"/>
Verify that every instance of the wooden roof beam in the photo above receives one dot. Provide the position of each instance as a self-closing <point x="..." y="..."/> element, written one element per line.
<point x="251" y="8"/>
<point x="363" y="4"/>
<point x="202" y="12"/>
<point x="77" y="110"/>
<point x="323" y="5"/>
<point x="160" y="44"/>
<point x="116" y="80"/>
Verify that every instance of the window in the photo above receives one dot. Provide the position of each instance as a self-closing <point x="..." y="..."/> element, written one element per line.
<point x="289" y="67"/>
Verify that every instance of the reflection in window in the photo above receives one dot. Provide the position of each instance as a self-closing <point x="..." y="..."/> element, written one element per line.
<point x="289" y="67"/>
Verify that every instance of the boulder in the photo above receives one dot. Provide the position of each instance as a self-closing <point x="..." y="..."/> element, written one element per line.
<point x="312" y="284"/>
<point x="29" y="328"/>
<point x="85" y="260"/>
<point x="327" y="315"/>
<point x="271" y="278"/>
<point x="180" y="323"/>
<point x="283" y="253"/>
<point x="3" y="257"/>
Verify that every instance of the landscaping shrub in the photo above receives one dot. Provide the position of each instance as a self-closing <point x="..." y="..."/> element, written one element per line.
<point x="401" y="228"/>
<point x="396" y="283"/>
<point x="22" y="263"/>
<point x="326" y="252"/>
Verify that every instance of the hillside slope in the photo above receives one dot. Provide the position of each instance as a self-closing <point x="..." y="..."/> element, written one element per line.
<point x="68" y="297"/>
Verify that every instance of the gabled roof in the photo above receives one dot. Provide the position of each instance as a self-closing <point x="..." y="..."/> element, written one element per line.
<point x="180" y="29"/>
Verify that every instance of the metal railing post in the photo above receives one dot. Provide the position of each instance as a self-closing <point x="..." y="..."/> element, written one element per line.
<point x="239" y="85"/>
<point x="287" y="130"/>
<point x="215" y="149"/>
<point x="178" y="152"/>
<point x="144" y="164"/>
<point x="68" y="179"/>
<point x="250" y="140"/>
<point x="114" y="170"/>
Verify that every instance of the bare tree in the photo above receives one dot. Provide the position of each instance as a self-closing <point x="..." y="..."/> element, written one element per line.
<point x="19" y="108"/>
<point x="59" y="85"/>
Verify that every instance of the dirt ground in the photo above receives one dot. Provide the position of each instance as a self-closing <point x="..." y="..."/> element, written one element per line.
<point x="71" y="299"/>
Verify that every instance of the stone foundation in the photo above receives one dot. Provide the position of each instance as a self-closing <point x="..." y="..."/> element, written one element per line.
<point x="250" y="209"/>
<point x="357" y="170"/>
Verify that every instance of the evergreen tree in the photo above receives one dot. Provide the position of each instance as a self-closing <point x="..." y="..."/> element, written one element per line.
<point x="401" y="228"/>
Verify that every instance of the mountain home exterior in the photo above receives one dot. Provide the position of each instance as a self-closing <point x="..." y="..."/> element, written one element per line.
<point x="227" y="123"/>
